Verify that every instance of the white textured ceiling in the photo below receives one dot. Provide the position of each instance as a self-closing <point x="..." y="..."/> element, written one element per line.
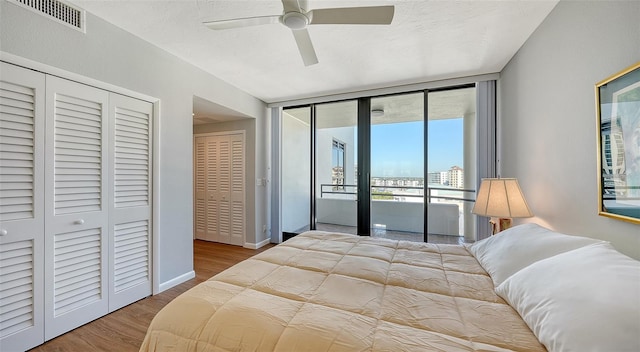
<point x="427" y="40"/>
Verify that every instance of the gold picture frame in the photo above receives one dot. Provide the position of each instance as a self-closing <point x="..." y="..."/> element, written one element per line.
<point x="618" y="128"/>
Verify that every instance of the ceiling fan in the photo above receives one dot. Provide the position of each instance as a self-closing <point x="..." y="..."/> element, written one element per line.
<point x="297" y="17"/>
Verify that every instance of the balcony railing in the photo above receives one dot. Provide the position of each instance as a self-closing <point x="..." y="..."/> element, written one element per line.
<point x="377" y="191"/>
<point x="399" y="208"/>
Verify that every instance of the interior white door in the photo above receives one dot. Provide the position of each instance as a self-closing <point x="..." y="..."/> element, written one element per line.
<point x="219" y="188"/>
<point x="223" y="187"/>
<point x="237" y="190"/>
<point x="200" y="188"/>
<point x="213" y="189"/>
<point x="129" y="200"/>
<point x="76" y="218"/>
<point x="206" y="189"/>
<point x="22" y="112"/>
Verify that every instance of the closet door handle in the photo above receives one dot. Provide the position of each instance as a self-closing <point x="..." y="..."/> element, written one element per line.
<point x="79" y="222"/>
<point x="3" y="232"/>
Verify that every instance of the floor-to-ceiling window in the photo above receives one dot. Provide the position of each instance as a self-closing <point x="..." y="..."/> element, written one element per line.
<point x="417" y="155"/>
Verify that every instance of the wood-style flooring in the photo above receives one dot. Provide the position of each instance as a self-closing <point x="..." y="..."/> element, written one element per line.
<point x="124" y="329"/>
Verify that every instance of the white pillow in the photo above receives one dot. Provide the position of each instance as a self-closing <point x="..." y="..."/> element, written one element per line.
<point x="513" y="249"/>
<point x="587" y="299"/>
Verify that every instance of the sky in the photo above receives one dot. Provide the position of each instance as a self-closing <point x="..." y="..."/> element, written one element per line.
<point x="397" y="149"/>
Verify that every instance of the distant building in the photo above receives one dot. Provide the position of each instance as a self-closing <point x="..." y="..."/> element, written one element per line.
<point x="444" y="176"/>
<point x="438" y="178"/>
<point x="456" y="177"/>
<point x="434" y="178"/>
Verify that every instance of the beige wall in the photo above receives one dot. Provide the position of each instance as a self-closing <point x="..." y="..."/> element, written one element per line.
<point x="547" y="137"/>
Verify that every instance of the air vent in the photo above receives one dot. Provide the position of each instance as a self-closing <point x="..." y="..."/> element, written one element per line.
<point x="56" y="9"/>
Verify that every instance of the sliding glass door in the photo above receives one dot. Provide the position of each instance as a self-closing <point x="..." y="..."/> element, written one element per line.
<point x="451" y="164"/>
<point x="401" y="166"/>
<point x="397" y="167"/>
<point x="296" y="171"/>
<point x="336" y="150"/>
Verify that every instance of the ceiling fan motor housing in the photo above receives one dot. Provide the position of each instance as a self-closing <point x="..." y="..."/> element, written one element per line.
<point x="295" y="20"/>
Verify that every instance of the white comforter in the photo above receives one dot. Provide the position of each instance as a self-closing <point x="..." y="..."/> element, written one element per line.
<point x="336" y="292"/>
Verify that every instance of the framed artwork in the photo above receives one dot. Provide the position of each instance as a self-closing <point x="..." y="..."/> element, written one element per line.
<point x="618" y="126"/>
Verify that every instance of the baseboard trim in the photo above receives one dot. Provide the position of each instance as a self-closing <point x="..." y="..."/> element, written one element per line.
<point x="175" y="281"/>
<point x="257" y="245"/>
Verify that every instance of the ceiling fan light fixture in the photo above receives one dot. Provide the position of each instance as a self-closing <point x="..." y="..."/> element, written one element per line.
<point x="377" y="112"/>
<point x="295" y="20"/>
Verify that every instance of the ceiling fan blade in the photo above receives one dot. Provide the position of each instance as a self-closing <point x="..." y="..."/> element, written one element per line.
<point x="353" y="15"/>
<point x="242" y="22"/>
<point x="305" y="47"/>
<point x="291" y="6"/>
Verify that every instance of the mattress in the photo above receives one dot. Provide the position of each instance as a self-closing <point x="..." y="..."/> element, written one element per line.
<point x="324" y="291"/>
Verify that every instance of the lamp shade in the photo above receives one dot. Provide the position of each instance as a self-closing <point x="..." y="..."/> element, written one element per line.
<point x="501" y="198"/>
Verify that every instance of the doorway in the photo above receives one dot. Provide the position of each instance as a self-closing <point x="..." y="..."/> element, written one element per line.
<point x="219" y="187"/>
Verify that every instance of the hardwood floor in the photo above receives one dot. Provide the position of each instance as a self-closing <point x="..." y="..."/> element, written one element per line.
<point x="124" y="329"/>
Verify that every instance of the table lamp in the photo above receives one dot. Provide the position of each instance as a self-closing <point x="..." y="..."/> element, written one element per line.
<point x="501" y="199"/>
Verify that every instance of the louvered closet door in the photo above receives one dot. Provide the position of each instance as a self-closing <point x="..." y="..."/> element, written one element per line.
<point x="21" y="208"/>
<point x="76" y="208"/>
<point x="236" y="190"/>
<point x="200" y="187"/>
<point x="219" y="188"/>
<point x="130" y="200"/>
<point x="213" y="193"/>
<point x="223" y="184"/>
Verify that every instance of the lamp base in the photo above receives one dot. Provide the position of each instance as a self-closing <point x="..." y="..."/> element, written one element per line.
<point x="499" y="224"/>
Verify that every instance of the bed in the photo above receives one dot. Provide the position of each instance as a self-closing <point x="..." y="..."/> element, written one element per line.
<point x="324" y="291"/>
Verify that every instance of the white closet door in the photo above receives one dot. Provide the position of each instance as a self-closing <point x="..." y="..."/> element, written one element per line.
<point x="21" y="208"/>
<point x="236" y="190"/>
<point x="212" y="209"/>
<point x="129" y="200"/>
<point x="220" y="188"/>
<point x="200" y="187"/>
<point x="76" y="209"/>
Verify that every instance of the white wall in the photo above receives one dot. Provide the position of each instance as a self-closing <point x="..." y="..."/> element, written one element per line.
<point x="109" y="54"/>
<point x="262" y="172"/>
<point x="548" y="119"/>
<point x="295" y="172"/>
